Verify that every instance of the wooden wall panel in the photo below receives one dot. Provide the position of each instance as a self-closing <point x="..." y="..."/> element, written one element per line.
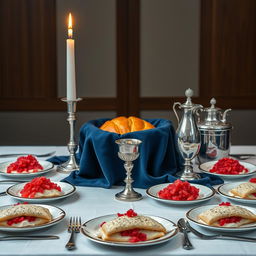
<point x="128" y="56"/>
<point x="228" y="50"/>
<point x="28" y="49"/>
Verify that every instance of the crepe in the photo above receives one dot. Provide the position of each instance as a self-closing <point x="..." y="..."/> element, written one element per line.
<point x="111" y="230"/>
<point x="42" y="215"/>
<point x="213" y="215"/>
<point x="48" y="193"/>
<point x="245" y="190"/>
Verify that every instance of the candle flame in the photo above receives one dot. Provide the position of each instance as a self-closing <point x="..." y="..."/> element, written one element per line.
<point x="70" y="30"/>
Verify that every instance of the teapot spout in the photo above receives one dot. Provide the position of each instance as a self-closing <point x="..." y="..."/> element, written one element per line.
<point x="224" y="115"/>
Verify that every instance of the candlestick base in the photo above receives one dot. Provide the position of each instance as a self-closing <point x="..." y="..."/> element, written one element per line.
<point x="68" y="166"/>
<point x="71" y="164"/>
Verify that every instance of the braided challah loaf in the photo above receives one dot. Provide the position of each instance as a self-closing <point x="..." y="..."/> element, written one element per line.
<point x="124" y="125"/>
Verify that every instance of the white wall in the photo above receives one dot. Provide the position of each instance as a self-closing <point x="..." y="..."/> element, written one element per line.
<point x="169" y="47"/>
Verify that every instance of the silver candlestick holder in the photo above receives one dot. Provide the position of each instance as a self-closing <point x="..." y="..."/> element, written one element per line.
<point x="71" y="164"/>
<point x="128" y="152"/>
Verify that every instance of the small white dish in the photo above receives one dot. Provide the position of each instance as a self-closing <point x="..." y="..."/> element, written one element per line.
<point x="205" y="194"/>
<point x="224" y="191"/>
<point x="205" y="167"/>
<point x="57" y="216"/>
<point x="91" y="230"/>
<point x="66" y="188"/>
<point x="47" y="166"/>
<point x="192" y="215"/>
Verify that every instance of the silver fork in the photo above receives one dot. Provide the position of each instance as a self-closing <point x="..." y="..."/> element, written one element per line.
<point x="184" y="229"/>
<point x="23" y="154"/>
<point x="220" y="236"/>
<point x="73" y="227"/>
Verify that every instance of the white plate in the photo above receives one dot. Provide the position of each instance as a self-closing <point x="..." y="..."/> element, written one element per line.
<point x="66" y="188"/>
<point x="205" y="193"/>
<point x="205" y="167"/>
<point x="224" y="191"/>
<point x="57" y="216"/>
<point x="91" y="227"/>
<point x="192" y="215"/>
<point x="47" y="166"/>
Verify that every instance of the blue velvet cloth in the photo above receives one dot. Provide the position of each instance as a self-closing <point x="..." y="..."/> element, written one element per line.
<point x="100" y="165"/>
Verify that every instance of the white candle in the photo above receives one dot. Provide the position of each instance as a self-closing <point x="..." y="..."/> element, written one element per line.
<point x="71" y="75"/>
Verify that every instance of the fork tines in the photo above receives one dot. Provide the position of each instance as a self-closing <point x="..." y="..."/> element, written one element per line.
<point x="74" y="224"/>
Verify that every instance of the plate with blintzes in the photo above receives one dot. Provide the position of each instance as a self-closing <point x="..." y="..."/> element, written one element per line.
<point x="244" y="192"/>
<point x="224" y="217"/>
<point x="180" y="193"/>
<point x="129" y="230"/>
<point x="41" y="189"/>
<point x="228" y="168"/>
<point x="25" y="166"/>
<point x="29" y="217"/>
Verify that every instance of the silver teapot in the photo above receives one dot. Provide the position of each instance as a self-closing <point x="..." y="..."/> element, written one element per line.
<point x="188" y="135"/>
<point x="215" y="134"/>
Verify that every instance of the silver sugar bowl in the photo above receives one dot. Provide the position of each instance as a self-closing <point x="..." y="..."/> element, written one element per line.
<point x="215" y="134"/>
<point x="188" y="135"/>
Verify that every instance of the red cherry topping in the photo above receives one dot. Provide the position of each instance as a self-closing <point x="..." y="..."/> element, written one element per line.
<point x="228" y="166"/>
<point x="253" y="180"/>
<point x="24" y="164"/>
<point x="39" y="184"/>
<point x="130" y="213"/>
<point x="20" y="203"/>
<point x="224" y="221"/>
<point x="135" y="235"/>
<point x="225" y="204"/>
<point x="180" y="191"/>
<point x="102" y="223"/>
<point x="20" y="219"/>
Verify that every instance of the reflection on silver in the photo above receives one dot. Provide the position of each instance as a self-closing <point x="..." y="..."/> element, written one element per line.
<point x="128" y="152"/>
<point x="215" y="134"/>
<point x="188" y="135"/>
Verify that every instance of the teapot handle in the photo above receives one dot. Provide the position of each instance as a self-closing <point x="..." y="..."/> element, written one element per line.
<point x="224" y="115"/>
<point x="197" y="112"/>
<point x="174" y="110"/>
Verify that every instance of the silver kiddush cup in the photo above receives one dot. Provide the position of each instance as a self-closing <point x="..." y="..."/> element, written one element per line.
<point x="128" y="152"/>
<point x="188" y="135"/>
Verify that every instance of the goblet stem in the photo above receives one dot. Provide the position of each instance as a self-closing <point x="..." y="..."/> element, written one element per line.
<point x="128" y="180"/>
<point x="128" y="194"/>
<point x="188" y="173"/>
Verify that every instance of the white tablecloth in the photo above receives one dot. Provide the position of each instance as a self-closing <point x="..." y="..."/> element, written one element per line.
<point x="90" y="202"/>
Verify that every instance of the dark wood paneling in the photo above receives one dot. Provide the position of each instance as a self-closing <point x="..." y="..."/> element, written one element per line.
<point x="28" y="55"/>
<point x="122" y="49"/>
<point x="228" y="50"/>
<point x="166" y="103"/>
<point x="88" y="104"/>
<point x="128" y="56"/>
<point x="134" y="57"/>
